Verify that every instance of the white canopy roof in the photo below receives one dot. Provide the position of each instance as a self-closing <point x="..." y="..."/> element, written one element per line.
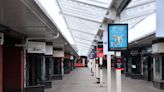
<point x="82" y="18"/>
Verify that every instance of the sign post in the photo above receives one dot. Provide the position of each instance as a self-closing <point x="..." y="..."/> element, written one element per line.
<point x="83" y="60"/>
<point x="118" y="68"/>
<point x="97" y="69"/>
<point x="100" y="55"/>
<point x="94" y="68"/>
<point x="95" y="63"/>
<point x="109" y="72"/>
<point x="117" y="41"/>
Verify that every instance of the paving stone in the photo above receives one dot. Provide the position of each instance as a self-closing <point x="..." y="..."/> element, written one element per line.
<point x="80" y="80"/>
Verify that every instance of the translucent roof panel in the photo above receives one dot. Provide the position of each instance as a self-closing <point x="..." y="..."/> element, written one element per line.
<point x="102" y="3"/>
<point x="71" y="7"/>
<point x="138" y="2"/>
<point x="137" y="11"/>
<point x="83" y="18"/>
<point x="82" y="25"/>
<point x="81" y="35"/>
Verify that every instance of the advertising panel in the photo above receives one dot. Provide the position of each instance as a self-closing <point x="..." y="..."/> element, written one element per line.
<point x="117" y="37"/>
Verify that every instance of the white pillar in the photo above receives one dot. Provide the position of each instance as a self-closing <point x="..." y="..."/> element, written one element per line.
<point x="62" y="67"/>
<point x="118" y="80"/>
<point x="83" y="60"/>
<point x="90" y="65"/>
<point x="97" y="70"/>
<point x="101" y="72"/>
<point x="118" y="75"/>
<point x="94" y="67"/>
<point x="109" y="72"/>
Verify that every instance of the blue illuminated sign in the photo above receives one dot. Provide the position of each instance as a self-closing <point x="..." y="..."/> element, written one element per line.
<point x="117" y="37"/>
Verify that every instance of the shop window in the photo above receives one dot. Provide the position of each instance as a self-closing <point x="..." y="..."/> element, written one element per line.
<point x="157" y="72"/>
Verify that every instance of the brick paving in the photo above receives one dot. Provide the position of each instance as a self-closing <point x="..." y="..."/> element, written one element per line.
<point x="80" y="80"/>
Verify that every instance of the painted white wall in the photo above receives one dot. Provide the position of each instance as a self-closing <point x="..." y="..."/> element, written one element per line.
<point x="144" y="28"/>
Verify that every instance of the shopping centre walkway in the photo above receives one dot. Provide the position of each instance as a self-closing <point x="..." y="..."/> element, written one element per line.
<point x="80" y="80"/>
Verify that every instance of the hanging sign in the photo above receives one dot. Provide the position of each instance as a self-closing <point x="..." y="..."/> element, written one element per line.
<point x="117" y="37"/>
<point x="100" y="50"/>
<point x="36" y="47"/>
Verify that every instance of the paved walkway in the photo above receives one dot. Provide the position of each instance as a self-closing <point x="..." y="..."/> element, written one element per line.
<point x="80" y="80"/>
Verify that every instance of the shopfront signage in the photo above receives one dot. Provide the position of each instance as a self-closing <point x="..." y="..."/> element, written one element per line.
<point x="49" y="50"/>
<point x="117" y="37"/>
<point x="36" y="47"/>
<point x="58" y="53"/>
<point x="158" y="48"/>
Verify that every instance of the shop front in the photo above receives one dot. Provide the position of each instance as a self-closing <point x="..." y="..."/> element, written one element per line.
<point x="147" y="63"/>
<point x="35" y="64"/>
<point x="134" y="64"/>
<point x="158" y="64"/>
<point x="57" y="64"/>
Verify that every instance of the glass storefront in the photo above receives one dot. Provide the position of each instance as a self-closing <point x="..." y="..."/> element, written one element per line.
<point x="159" y="68"/>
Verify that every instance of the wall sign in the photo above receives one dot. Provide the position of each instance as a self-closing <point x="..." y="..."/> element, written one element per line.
<point x="49" y="50"/>
<point x="118" y="64"/>
<point x="100" y="50"/>
<point x="36" y="47"/>
<point x="58" y="53"/>
<point x="158" y="47"/>
<point x="117" y="37"/>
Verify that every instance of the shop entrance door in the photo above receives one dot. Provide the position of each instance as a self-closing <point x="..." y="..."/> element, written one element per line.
<point x="34" y="67"/>
<point x="150" y="68"/>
